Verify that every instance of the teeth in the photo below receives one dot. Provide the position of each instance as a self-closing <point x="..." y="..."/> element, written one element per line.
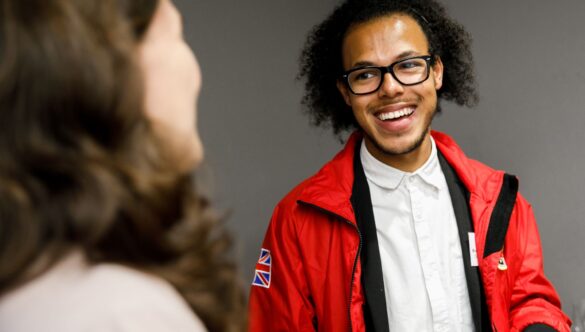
<point x="395" y="114"/>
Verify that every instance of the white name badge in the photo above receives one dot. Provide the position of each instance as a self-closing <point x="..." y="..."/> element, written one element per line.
<point x="472" y="250"/>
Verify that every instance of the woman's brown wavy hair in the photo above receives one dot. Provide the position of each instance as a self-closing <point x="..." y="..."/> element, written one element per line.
<point x="80" y="166"/>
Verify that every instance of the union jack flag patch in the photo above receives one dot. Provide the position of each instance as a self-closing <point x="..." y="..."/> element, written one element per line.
<point x="263" y="269"/>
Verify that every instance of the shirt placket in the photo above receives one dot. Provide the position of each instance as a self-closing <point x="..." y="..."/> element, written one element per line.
<point x="428" y="257"/>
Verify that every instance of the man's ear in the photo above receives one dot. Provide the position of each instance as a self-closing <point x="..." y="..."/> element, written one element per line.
<point x="438" y="73"/>
<point x="344" y="92"/>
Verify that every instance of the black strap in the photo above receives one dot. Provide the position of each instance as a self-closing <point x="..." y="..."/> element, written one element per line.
<point x="460" y="200"/>
<point x="500" y="219"/>
<point x="375" y="314"/>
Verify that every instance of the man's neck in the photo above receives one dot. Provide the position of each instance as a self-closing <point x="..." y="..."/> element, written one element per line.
<point x="407" y="162"/>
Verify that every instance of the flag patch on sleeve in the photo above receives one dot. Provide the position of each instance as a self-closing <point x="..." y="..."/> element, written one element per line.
<point x="263" y="269"/>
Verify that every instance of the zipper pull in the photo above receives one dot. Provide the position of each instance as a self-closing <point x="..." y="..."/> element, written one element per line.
<point x="502" y="264"/>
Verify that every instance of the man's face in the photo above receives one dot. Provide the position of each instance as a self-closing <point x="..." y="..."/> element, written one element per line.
<point x="381" y="42"/>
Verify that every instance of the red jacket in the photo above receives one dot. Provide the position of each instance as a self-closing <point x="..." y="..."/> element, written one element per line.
<point x="312" y="265"/>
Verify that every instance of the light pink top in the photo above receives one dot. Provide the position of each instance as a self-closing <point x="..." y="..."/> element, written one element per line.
<point x="74" y="296"/>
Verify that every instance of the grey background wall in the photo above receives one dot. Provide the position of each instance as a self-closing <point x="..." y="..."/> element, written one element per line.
<point x="530" y="66"/>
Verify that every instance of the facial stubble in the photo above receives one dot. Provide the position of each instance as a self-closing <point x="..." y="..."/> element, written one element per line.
<point x="414" y="146"/>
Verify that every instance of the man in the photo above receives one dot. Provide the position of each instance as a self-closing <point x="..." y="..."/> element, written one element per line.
<point x="400" y="231"/>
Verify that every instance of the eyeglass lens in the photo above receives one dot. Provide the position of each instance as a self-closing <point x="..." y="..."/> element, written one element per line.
<point x="407" y="72"/>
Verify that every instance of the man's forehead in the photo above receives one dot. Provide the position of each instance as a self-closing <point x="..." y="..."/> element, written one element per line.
<point x="383" y="17"/>
<point x="384" y="39"/>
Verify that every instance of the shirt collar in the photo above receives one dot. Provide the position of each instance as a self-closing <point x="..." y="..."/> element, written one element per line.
<point x="390" y="178"/>
<point x="431" y="171"/>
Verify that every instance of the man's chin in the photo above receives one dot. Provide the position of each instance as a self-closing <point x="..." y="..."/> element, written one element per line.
<point x="398" y="151"/>
<point x="399" y="148"/>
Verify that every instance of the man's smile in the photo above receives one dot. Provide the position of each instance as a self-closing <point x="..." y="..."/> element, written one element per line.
<point x="393" y="115"/>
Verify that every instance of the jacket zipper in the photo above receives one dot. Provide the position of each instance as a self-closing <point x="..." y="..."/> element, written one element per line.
<point x="501" y="266"/>
<point x="357" y="255"/>
<point x="353" y="272"/>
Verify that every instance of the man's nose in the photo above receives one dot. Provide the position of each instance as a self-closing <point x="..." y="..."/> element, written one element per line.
<point x="390" y="86"/>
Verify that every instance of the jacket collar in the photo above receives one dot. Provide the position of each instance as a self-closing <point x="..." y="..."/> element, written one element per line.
<point x="480" y="180"/>
<point x="331" y="188"/>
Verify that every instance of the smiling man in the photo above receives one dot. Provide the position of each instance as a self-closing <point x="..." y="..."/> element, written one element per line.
<point x="400" y="231"/>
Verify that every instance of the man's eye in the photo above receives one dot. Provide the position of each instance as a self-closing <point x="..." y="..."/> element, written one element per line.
<point x="410" y="65"/>
<point x="365" y="75"/>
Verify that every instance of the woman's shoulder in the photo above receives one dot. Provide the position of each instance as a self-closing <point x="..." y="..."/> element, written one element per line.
<point x="76" y="296"/>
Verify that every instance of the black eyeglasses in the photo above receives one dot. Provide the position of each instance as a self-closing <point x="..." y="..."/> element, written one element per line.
<point x="368" y="79"/>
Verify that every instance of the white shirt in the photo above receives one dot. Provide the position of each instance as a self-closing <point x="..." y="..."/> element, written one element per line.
<point x="74" y="296"/>
<point x="420" y="251"/>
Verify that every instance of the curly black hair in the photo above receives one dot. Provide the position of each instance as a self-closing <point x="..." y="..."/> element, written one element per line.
<point x="321" y="62"/>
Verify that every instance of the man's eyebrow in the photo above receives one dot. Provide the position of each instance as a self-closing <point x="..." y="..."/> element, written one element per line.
<point x="400" y="56"/>
<point x="406" y="54"/>
<point x="363" y="64"/>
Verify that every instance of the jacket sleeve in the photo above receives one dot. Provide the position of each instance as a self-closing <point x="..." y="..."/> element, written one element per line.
<point x="534" y="300"/>
<point x="283" y="305"/>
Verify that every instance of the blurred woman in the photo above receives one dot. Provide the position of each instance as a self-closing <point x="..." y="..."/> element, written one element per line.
<point x="100" y="226"/>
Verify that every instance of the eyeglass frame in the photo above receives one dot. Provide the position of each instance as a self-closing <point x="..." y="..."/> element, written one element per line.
<point x="429" y="59"/>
